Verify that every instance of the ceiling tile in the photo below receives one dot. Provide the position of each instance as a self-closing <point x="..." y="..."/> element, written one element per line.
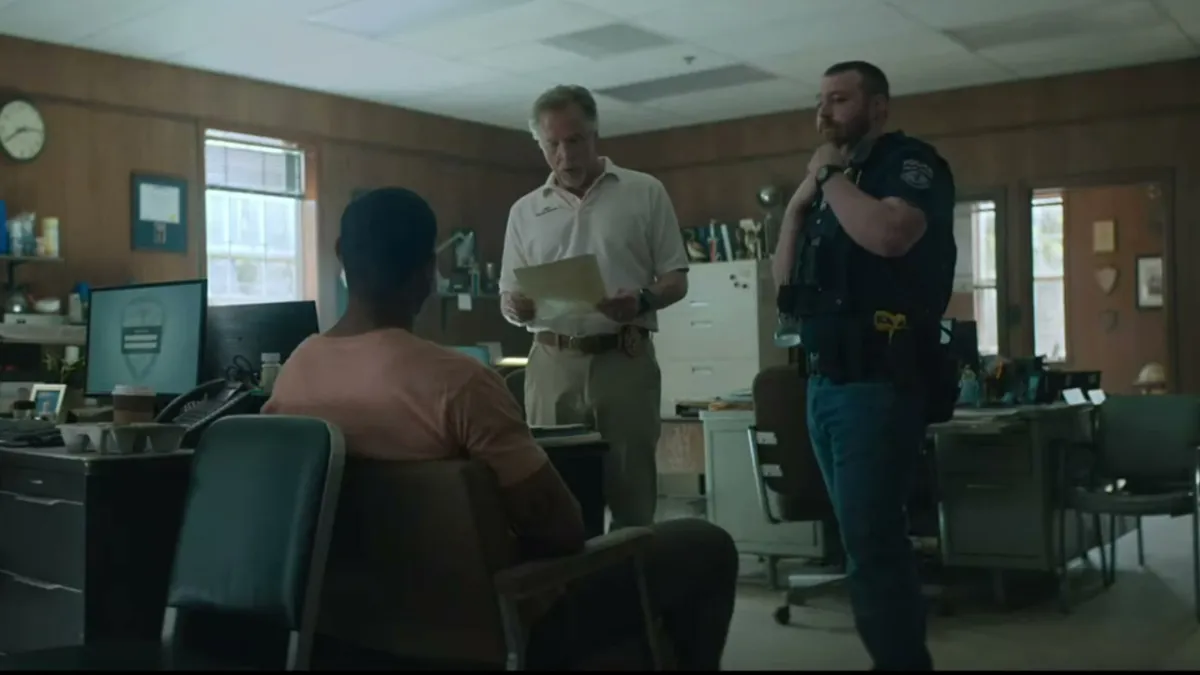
<point x="962" y="13"/>
<point x="506" y="94"/>
<point x="530" y="57"/>
<point x="284" y="54"/>
<point x="1186" y="13"/>
<point x="705" y="18"/>
<point x="930" y="48"/>
<point x="763" y="97"/>
<point x="66" y="21"/>
<point x="914" y="76"/>
<point x="624" y="9"/>
<point x="619" y="117"/>
<point x="1049" y="57"/>
<point x="383" y="18"/>
<point x="528" y="22"/>
<point x="168" y="32"/>
<point x="869" y="21"/>
<point x="641" y="66"/>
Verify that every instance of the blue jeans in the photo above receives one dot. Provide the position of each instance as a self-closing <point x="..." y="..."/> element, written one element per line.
<point x="867" y="438"/>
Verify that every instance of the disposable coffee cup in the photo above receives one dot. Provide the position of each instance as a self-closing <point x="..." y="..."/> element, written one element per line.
<point x="132" y="405"/>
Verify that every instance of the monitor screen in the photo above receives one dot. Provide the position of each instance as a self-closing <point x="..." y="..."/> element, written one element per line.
<point x="150" y="335"/>
<point x="477" y="352"/>
<point x="238" y="335"/>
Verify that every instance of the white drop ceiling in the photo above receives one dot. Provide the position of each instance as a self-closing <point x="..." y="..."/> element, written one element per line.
<point x="486" y="60"/>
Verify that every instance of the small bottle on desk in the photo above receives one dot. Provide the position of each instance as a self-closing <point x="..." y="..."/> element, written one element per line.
<point x="270" y="371"/>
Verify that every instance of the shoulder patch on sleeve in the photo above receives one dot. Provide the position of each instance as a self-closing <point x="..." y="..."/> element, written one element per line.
<point x="916" y="174"/>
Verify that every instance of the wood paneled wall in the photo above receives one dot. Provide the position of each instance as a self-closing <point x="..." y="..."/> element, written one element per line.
<point x="109" y="116"/>
<point x="1100" y="128"/>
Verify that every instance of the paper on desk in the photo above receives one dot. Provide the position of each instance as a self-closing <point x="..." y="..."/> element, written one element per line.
<point x="567" y="286"/>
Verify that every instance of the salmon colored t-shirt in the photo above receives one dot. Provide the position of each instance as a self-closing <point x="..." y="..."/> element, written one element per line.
<point x="396" y="396"/>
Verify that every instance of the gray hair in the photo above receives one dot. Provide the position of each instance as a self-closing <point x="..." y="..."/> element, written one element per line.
<point x="561" y="97"/>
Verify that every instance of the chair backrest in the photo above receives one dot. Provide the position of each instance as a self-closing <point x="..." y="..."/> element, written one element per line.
<point x="1149" y="439"/>
<point x="252" y="548"/>
<point x="515" y="382"/>
<point x="780" y="400"/>
<point x="412" y="569"/>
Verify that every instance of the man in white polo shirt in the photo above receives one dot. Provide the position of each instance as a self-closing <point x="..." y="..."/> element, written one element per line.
<point x="600" y="367"/>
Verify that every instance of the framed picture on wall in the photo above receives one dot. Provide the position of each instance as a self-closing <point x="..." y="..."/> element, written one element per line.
<point x="1149" y="282"/>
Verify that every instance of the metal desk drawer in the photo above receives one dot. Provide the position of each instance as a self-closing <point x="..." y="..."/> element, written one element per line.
<point x="37" y="615"/>
<point x="36" y="483"/>
<point x="43" y="538"/>
<point x="985" y="455"/>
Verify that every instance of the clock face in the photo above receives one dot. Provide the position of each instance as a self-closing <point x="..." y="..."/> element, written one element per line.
<point x="22" y="130"/>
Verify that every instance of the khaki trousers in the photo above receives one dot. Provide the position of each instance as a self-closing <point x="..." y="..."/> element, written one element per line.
<point x="617" y="394"/>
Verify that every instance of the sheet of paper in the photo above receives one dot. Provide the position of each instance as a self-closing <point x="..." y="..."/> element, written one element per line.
<point x="464" y="302"/>
<point x="159" y="203"/>
<point x="575" y="281"/>
<point x="1074" y="396"/>
<point x="1096" y="396"/>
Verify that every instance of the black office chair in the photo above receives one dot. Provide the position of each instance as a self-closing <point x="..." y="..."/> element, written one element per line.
<point x="790" y="485"/>
<point x="250" y="558"/>
<point x="515" y="382"/>
<point x="1144" y="461"/>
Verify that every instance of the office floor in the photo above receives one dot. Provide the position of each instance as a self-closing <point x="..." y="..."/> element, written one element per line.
<point x="1144" y="621"/>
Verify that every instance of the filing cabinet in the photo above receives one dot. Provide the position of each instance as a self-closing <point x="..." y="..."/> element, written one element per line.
<point x="718" y="338"/>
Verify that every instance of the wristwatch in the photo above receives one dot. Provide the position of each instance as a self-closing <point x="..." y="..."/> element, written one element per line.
<point x="826" y="172"/>
<point x="645" y="301"/>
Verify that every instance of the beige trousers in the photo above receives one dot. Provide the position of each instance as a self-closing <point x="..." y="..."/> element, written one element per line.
<point x="620" y="396"/>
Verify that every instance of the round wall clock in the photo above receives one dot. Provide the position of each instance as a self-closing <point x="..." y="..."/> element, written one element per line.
<point x="22" y="130"/>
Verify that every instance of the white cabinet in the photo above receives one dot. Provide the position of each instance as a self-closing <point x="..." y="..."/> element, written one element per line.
<point x="731" y="493"/>
<point x="714" y="341"/>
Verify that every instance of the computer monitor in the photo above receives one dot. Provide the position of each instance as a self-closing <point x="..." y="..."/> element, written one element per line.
<point x="147" y="335"/>
<point x="238" y="335"/>
<point x="477" y="352"/>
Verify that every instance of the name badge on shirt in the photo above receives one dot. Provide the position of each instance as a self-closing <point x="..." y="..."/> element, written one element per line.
<point x="549" y="208"/>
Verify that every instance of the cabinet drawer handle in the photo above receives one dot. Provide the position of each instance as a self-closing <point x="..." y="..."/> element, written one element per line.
<point x="697" y="303"/>
<point x="40" y="501"/>
<point x="701" y="370"/>
<point x="702" y="324"/>
<point x="26" y="581"/>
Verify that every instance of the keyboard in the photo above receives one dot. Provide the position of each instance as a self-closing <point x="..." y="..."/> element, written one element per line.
<point x="29" y="434"/>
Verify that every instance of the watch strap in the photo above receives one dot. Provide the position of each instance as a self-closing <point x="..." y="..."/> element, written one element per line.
<point x="645" y="301"/>
<point x="826" y="172"/>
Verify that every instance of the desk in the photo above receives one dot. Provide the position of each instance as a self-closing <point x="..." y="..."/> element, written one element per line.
<point x="86" y="544"/>
<point x="580" y="462"/>
<point x="996" y="473"/>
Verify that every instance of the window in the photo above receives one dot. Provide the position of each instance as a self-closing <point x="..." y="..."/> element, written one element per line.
<point x="254" y="198"/>
<point x="975" y="273"/>
<point x="1049" y="273"/>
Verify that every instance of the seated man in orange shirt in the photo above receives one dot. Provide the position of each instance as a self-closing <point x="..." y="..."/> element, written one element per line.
<point x="397" y="396"/>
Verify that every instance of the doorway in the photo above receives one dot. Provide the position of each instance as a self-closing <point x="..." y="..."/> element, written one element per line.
<point x="1099" y="279"/>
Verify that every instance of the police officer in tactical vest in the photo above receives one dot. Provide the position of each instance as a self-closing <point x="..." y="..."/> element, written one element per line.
<point x="865" y="265"/>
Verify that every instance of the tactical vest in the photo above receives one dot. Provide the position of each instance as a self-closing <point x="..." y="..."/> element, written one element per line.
<point x="841" y="292"/>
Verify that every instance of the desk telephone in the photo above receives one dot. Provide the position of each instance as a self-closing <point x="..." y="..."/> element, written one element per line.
<point x="208" y="402"/>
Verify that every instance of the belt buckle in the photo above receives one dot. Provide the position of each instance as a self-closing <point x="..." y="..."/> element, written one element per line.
<point x="571" y="342"/>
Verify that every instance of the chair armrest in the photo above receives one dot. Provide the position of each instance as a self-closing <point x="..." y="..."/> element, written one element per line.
<point x="538" y="576"/>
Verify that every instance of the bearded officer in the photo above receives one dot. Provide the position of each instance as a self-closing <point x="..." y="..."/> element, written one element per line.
<point x="598" y="368"/>
<point x="866" y="262"/>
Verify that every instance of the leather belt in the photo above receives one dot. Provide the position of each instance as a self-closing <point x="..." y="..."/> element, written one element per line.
<point x="586" y="344"/>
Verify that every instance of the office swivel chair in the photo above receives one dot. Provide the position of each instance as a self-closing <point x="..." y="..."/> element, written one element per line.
<point x="515" y="382"/>
<point x="790" y="485"/>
